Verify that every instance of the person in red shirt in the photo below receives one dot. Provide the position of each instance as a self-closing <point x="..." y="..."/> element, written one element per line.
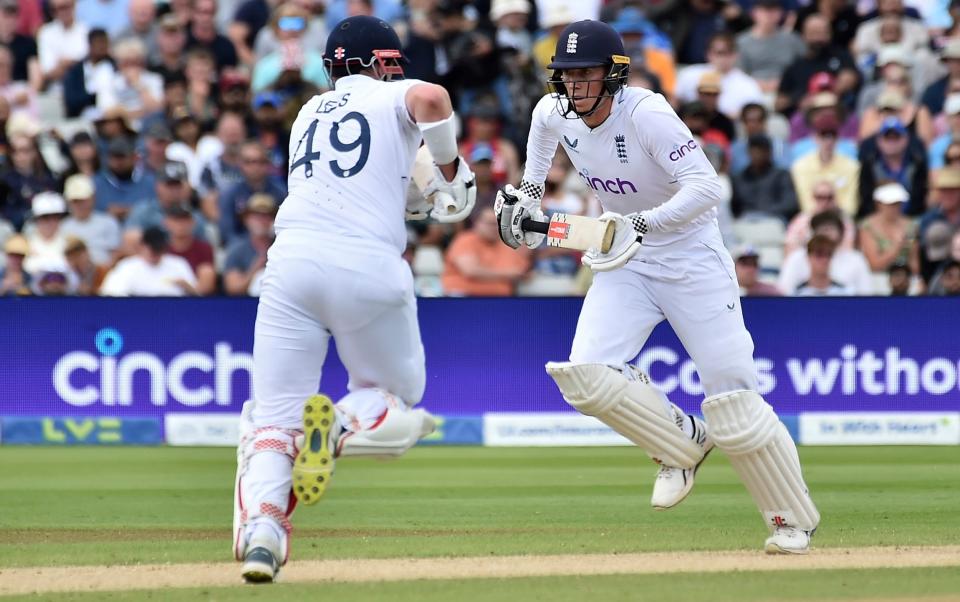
<point x="747" y="264"/>
<point x="179" y="223"/>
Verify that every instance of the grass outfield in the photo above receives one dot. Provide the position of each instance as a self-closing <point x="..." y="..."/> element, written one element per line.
<point x="97" y="506"/>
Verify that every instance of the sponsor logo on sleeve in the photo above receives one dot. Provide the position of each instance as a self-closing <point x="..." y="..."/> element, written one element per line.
<point x="681" y="150"/>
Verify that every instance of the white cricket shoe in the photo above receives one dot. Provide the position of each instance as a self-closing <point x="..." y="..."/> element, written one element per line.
<point x="674" y="484"/>
<point x="788" y="540"/>
<point x="261" y="558"/>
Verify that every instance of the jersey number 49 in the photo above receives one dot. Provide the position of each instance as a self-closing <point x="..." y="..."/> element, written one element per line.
<point x="362" y="141"/>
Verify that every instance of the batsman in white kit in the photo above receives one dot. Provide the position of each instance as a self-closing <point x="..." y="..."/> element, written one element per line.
<point x="335" y="270"/>
<point x="666" y="261"/>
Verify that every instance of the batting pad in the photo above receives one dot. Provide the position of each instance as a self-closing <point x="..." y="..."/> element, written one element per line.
<point x="397" y="431"/>
<point x="632" y="408"/>
<point x="762" y="452"/>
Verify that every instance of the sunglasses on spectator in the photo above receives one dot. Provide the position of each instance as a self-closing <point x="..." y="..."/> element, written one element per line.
<point x="952" y="158"/>
<point x="824" y="197"/>
<point x="892" y="134"/>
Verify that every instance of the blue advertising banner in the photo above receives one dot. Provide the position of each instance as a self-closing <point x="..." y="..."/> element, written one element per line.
<point x="147" y="357"/>
<point x="80" y="431"/>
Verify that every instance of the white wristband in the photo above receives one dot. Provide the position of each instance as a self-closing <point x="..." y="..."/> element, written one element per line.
<point x="441" y="138"/>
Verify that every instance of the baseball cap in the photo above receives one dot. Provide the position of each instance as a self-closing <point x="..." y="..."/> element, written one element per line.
<point x="892" y="124"/>
<point x="893" y="53"/>
<point x="16" y="245"/>
<point x="159" y="131"/>
<point x="709" y="82"/>
<point x="891" y="99"/>
<point x="947" y="178"/>
<point x="822" y="100"/>
<point x="936" y="240"/>
<point x="78" y="186"/>
<point x="890" y="194"/>
<point x="121" y="146"/>
<point x="173" y="171"/>
<point x="630" y="20"/>
<point x="170" y="21"/>
<point x="822" y="81"/>
<point x="233" y="79"/>
<point x="261" y="203"/>
<point x="48" y="203"/>
<point x="179" y="210"/>
<point x="745" y="250"/>
<point x="952" y="105"/>
<point x="555" y="15"/>
<point x="505" y="7"/>
<point x="266" y="98"/>
<point x="481" y="152"/>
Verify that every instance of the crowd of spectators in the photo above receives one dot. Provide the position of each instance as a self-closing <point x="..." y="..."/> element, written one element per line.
<point x="144" y="143"/>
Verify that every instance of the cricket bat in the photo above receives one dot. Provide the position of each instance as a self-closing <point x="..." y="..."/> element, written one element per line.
<point x="423" y="173"/>
<point x="573" y="231"/>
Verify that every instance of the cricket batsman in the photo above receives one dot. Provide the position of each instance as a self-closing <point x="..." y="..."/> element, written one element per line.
<point x="667" y="261"/>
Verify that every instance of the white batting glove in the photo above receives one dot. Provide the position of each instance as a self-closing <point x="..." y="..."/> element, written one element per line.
<point x="626" y="242"/>
<point x="453" y="201"/>
<point x="513" y="206"/>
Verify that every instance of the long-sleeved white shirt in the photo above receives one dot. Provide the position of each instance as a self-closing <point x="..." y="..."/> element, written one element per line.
<point x="641" y="158"/>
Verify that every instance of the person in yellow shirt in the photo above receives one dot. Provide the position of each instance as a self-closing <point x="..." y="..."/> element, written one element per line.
<point x="825" y="164"/>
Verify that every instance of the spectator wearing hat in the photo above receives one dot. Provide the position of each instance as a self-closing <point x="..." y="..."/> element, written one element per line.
<point x="256" y="178"/>
<point x="83" y="80"/>
<point x="484" y="126"/>
<point x="825" y="163"/>
<point x="151" y="272"/>
<point x="936" y="282"/>
<point x="848" y="267"/>
<point x="222" y="171"/>
<point x="709" y="90"/>
<point x="14" y="280"/>
<point x="23" y="47"/>
<point x="52" y="277"/>
<point x="887" y="236"/>
<point x="649" y="47"/>
<point x="746" y="261"/>
<point x="554" y="16"/>
<point x="142" y="16"/>
<point x="137" y="91"/>
<point x="893" y="70"/>
<point x="766" y="50"/>
<point x="44" y="236"/>
<point x="122" y="184"/>
<point x="171" y="190"/>
<point x="480" y="160"/>
<point x="892" y="155"/>
<point x="734" y="87"/>
<point x="823" y="55"/>
<point x="203" y="33"/>
<point x="110" y="125"/>
<point x="478" y="264"/>
<point x="511" y="20"/>
<point x="819" y="283"/>
<point x="290" y="25"/>
<point x="824" y="199"/>
<point x="99" y="231"/>
<point x="247" y="256"/>
<point x="753" y="121"/>
<point x="937" y="152"/>
<point x="180" y="224"/>
<point x="763" y="189"/>
<point x="25" y="175"/>
<point x="61" y="42"/>
<point x="824" y="109"/>
<point x="87" y="275"/>
<point x="937" y="225"/>
<point x="170" y="58"/>
<point x="235" y="96"/>
<point x="271" y="133"/>
<point x="891" y="103"/>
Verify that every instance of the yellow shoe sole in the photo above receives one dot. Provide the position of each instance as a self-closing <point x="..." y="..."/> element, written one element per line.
<point x="313" y="466"/>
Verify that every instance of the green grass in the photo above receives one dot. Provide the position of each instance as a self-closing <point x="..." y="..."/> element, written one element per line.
<point x="140" y="505"/>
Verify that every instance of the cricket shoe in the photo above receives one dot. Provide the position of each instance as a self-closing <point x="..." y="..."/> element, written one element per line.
<point x="261" y="560"/>
<point x="313" y="466"/>
<point x="674" y="484"/>
<point x="788" y="540"/>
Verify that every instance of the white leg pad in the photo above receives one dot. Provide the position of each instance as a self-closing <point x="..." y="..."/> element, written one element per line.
<point x="633" y="408"/>
<point x="247" y="511"/>
<point x="397" y="430"/>
<point x="746" y="428"/>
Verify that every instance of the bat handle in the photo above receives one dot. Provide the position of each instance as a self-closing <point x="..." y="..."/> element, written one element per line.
<point x="532" y="225"/>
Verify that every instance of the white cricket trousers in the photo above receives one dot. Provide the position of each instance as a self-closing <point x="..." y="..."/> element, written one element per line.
<point x="693" y="285"/>
<point x="315" y="288"/>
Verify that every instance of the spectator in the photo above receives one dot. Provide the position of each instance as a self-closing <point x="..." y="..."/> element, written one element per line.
<point x="515" y="48"/>
<point x="888" y="237"/>
<point x="170" y="58"/>
<point x="248" y="20"/>
<point x="152" y="272"/>
<point x="480" y="160"/>
<point x="892" y="155"/>
<point x="766" y="50"/>
<point x="938" y="224"/>
<point x="696" y="117"/>
<point x="222" y="171"/>
<point x="111" y="125"/>
<point x="891" y="103"/>
<point x="735" y="87"/>
<point x="893" y="72"/>
<point x="709" y="91"/>
<point x="87" y="274"/>
<point x="156" y="141"/>
<point x="553" y="18"/>
<point x="950" y="279"/>
<point x="201" y="73"/>
<point x="14" y="280"/>
<point x="233" y="202"/>
<point x="820" y="251"/>
<point x="822" y="56"/>
<point x="82" y="156"/>
<point x="142" y="15"/>
<point x="484" y="126"/>
<point x="824" y="199"/>
<point x="24" y="176"/>
<point x="847" y="267"/>
<point x="478" y="264"/>
<point x="290" y="26"/>
<point x="203" y="34"/>
<point x="899" y="276"/>
<point x="938" y="155"/>
<point x="692" y="23"/>
<point x="51" y="278"/>
<point x="180" y="224"/>
<point x="649" y="47"/>
<point x="171" y="190"/>
<point x="247" y="257"/>
<point x="747" y="264"/>
<point x="44" y="236"/>
<point x="99" y="231"/>
<point x="83" y="81"/>
<point x="122" y="184"/>
<point x="270" y="131"/>
<point x="188" y="146"/>
<point x="825" y="163"/>
<point x="315" y="36"/>
<point x="763" y="189"/>
<point x="890" y="13"/>
<point x="753" y="119"/>
<point x="936" y="93"/>
<point x="19" y="94"/>
<point x="822" y="106"/>
<point x="841" y="15"/>
<point x="235" y="97"/>
<point x="23" y="47"/>
<point x="61" y="42"/>
<point x="936" y="283"/>
<point x="472" y="59"/>
<point x="137" y="91"/>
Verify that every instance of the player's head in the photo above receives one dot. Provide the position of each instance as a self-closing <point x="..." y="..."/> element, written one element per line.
<point x="363" y="43"/>
<point x="589" y="67"/>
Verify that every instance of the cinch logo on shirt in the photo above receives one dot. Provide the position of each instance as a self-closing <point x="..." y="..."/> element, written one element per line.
<point x="612" y="186"/>
<point x="681" y="150"/>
